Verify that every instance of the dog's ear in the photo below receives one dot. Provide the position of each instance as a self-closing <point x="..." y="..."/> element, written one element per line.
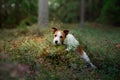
<point x="66" y="32"/>
<point x="54" y="29"/>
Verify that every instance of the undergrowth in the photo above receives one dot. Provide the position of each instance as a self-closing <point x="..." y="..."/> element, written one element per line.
<point x="21" y="47"/>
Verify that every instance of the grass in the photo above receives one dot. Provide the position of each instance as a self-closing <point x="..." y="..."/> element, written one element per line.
<point x="36" y="58"/>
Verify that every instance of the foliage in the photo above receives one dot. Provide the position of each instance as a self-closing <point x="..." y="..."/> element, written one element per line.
<point x="14" y="11"/>
<point x="24" y="12"/>
<point x="110" y="12"/>
<point x="42" y="60"/>
<point x="64" y="10"/>
<point x="68" y="11"/>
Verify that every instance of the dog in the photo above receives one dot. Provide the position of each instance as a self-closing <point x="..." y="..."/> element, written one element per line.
<point x="63" y="37"/>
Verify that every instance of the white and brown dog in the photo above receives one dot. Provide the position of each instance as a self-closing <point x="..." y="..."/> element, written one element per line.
<point x="63" y="37"/>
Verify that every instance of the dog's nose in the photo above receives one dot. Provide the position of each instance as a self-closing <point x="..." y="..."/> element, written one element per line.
<point x="56" y="42"/>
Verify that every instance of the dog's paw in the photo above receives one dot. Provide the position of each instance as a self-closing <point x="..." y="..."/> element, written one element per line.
<point x="94" y="67"/>
<point x="67" y="49"/>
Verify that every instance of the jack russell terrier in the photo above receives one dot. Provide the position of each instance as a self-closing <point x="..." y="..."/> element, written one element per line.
<point x="63" y="37"/>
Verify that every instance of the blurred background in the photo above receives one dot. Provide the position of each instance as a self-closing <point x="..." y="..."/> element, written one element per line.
<point x="26" y="55"/>
<point x="14" y="13"/>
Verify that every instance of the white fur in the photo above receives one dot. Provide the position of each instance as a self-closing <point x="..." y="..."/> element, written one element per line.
<point x="57" y="38"/>
<point x="86" y="58"/>
<point x="71" y="42"/>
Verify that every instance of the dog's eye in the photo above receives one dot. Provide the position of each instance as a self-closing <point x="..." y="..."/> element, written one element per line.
<point x="55" y="35"/>
<point x="61" y="37"/>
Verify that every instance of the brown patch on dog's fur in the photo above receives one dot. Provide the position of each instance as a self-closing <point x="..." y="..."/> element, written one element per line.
<point x="79" y="50"/>
<point x="54" y="30"/>
<point x="63" y="37"/>
<point x="66" y="32"/>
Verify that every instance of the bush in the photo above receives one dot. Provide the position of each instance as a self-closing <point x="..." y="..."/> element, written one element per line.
<point x="65" y="10"/>
<point x="110" y="12"/>
<point x="14" y="11"/>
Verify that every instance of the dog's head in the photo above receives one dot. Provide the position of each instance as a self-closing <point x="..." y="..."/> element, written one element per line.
<point x="59" y="36"/>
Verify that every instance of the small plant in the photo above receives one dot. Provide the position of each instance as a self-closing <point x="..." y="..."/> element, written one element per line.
<point x="47" y="61"/>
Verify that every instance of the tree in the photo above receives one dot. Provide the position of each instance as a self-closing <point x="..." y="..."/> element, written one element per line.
<point x="82" y="12"/>
<point x="110" y="13"/>
<point x="42" y="14"/>
<point x="90" y="8"/>
<point x="18" y="13"/>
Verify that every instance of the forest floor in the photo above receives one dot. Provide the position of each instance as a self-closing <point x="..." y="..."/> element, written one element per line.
<point x="25" y="56"/>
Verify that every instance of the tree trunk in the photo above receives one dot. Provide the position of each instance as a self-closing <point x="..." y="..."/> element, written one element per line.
<point x="42" y="14"/>
<point x="90" y="9"/>
<point x="1" y="13"/>
<point x="82" y="13"/>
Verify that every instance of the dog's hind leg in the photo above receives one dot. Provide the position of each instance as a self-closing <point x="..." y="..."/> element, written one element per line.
<point x="87" y="60"/>
<point x="84" y="56"/>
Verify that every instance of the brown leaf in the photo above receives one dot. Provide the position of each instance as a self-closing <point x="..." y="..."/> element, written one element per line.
<point x="118" y="46"/>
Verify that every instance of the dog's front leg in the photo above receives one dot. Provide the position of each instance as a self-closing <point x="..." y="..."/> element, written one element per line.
<point x="68" y="48"/>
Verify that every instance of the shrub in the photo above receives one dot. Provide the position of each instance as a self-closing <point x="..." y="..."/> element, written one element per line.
<point x="110" y="12"/>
